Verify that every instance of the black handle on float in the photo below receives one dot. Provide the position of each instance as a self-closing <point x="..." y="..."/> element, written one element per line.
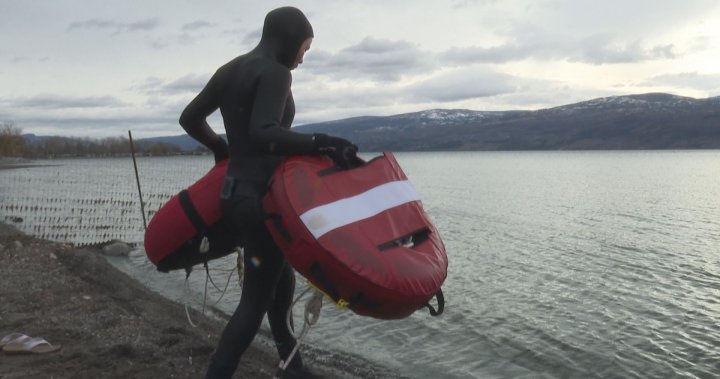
<point x="441" y="304"/>
<point x="355" y="163"/>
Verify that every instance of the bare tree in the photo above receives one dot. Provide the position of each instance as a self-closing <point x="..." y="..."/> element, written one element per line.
<point x="11" y="140"/>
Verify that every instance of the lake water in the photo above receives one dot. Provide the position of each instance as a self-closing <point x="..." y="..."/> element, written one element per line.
<point x="562" y="264"/>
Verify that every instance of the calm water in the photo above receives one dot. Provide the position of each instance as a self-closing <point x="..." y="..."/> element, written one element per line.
<point x="562" y="264"/>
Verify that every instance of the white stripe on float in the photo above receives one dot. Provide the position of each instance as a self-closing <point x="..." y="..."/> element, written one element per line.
<point x="327" y="217"/>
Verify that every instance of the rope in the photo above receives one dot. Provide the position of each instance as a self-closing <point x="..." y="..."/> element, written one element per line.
<point x="241" y="266"/>
<point x="312" y="314"/>
<point x="208" y="278"/>
<point x="227" y="283"/>
<point x="288" y="316"/>
<point x="186" y="295"/>
<point x="207" y="272"/>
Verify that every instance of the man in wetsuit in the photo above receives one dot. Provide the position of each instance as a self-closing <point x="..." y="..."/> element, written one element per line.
<point x="253" y="94"/>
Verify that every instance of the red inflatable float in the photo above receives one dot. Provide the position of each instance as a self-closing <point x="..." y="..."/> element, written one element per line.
<point x="359" y="235"/>
<point x="174" y="236"/>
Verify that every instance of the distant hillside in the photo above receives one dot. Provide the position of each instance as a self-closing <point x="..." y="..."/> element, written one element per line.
<point x="649" y="121"/>
<point x="184" y="142"/>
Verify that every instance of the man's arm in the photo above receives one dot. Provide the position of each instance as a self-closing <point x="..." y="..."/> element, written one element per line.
<point x="194" y="119"/>
<point x="271" y="94"/>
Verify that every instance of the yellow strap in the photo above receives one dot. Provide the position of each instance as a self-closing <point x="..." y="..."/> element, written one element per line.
<point x="341" y="304"/>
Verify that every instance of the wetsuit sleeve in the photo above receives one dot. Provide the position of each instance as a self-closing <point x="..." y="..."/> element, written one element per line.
<point x="194" y="118"/>
<point x="271" y="94"/>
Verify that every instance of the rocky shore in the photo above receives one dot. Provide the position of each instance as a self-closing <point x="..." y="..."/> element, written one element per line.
<point x="108" y="324"/>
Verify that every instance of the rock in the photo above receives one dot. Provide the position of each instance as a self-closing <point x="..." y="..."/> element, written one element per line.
<point x="7" y="230"/>
<point x="53" y="256"/>
<point x="117" y="249"/>
<point x="18" y="244"/>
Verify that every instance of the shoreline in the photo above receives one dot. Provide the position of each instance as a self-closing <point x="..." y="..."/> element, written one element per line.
<point x="111" y="326"/>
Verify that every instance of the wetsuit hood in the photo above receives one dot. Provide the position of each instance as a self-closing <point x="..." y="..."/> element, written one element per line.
<point x="284" y="32"/>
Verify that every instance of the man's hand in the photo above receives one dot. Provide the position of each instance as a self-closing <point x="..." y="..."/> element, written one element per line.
<point x="341" y="151"/>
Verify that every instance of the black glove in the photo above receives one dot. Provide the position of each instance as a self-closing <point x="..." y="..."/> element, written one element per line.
<point x="341" y="151"/>
<point x="220" y="149"/>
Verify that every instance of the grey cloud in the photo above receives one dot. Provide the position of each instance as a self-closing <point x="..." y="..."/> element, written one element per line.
<point x="253" y="37"/>
<point x="188" y="38"/>
<point x="699" y="43"/>
<point x="376" y="59"/>
<point x="185" y="38"/>
<point x="451" y="86"/>
<point x="240" y="37"/>
<point x="185" y="84"/>
<point x="601" y="49"/>
<point x="496" y="54"/>
<point x="117" y="27"/>
<point x="468" y="83"/>
<point x="64" y="102"/>
<point x="199" y="24"/>
<point x="148" y="24"/>
<point x="597" y="49"/>
<point x="23" y="59"/>
<point x="157" y="45"/>
<point x="662" y="52"/>
<point x="632" y="20"/>
<point x="190" y="33"/>
<point x="313" y="98"/>
<point x="467" y="3"/>
<point x="85" y="121"/>
<point x="98" y="127"/>
<point x="694" y="80"/>
<point x="371" y="45"/>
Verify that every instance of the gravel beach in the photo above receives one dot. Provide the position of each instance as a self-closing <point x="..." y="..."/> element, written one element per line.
<point x="107" y="324"/>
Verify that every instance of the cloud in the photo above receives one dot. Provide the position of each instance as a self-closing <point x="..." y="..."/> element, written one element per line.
<point x="252" y="38"/>
<point x="462" y="84"/>
<point x="374" y="59"/>
<point x="462" y="4"/>
<point x="318" y="96"/>
<point x="116" y="27"/>
<point x="694" y="80"/>
<point x="495" y="54"/>
<point x="48" y="101"/>
<point x="323" y="101"/>
<point x="98" y="127"/>
<point x="199" y="24"/>
<point x="86" y="116"/>
<point x="596" y="49"/>
<point x="191" y="83"/>
<point x="24" y="59"/>
<point x="601" y="49"/>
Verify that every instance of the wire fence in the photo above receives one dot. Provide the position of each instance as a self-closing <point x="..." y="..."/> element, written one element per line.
<point x="92" y="201"/>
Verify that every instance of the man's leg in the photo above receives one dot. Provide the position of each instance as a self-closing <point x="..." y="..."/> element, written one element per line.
<point x="263" y="270"/>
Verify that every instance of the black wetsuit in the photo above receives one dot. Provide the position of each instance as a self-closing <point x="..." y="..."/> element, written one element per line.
<point x="253" y="93"/>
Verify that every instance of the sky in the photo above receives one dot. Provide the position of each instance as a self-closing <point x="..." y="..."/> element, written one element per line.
<point x="88" y="68"/>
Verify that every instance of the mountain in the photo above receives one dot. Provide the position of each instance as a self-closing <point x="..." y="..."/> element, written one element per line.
<point x="649" y="121"/>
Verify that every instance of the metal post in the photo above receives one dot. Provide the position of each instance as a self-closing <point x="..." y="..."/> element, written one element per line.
<point x="137" y="179"/>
